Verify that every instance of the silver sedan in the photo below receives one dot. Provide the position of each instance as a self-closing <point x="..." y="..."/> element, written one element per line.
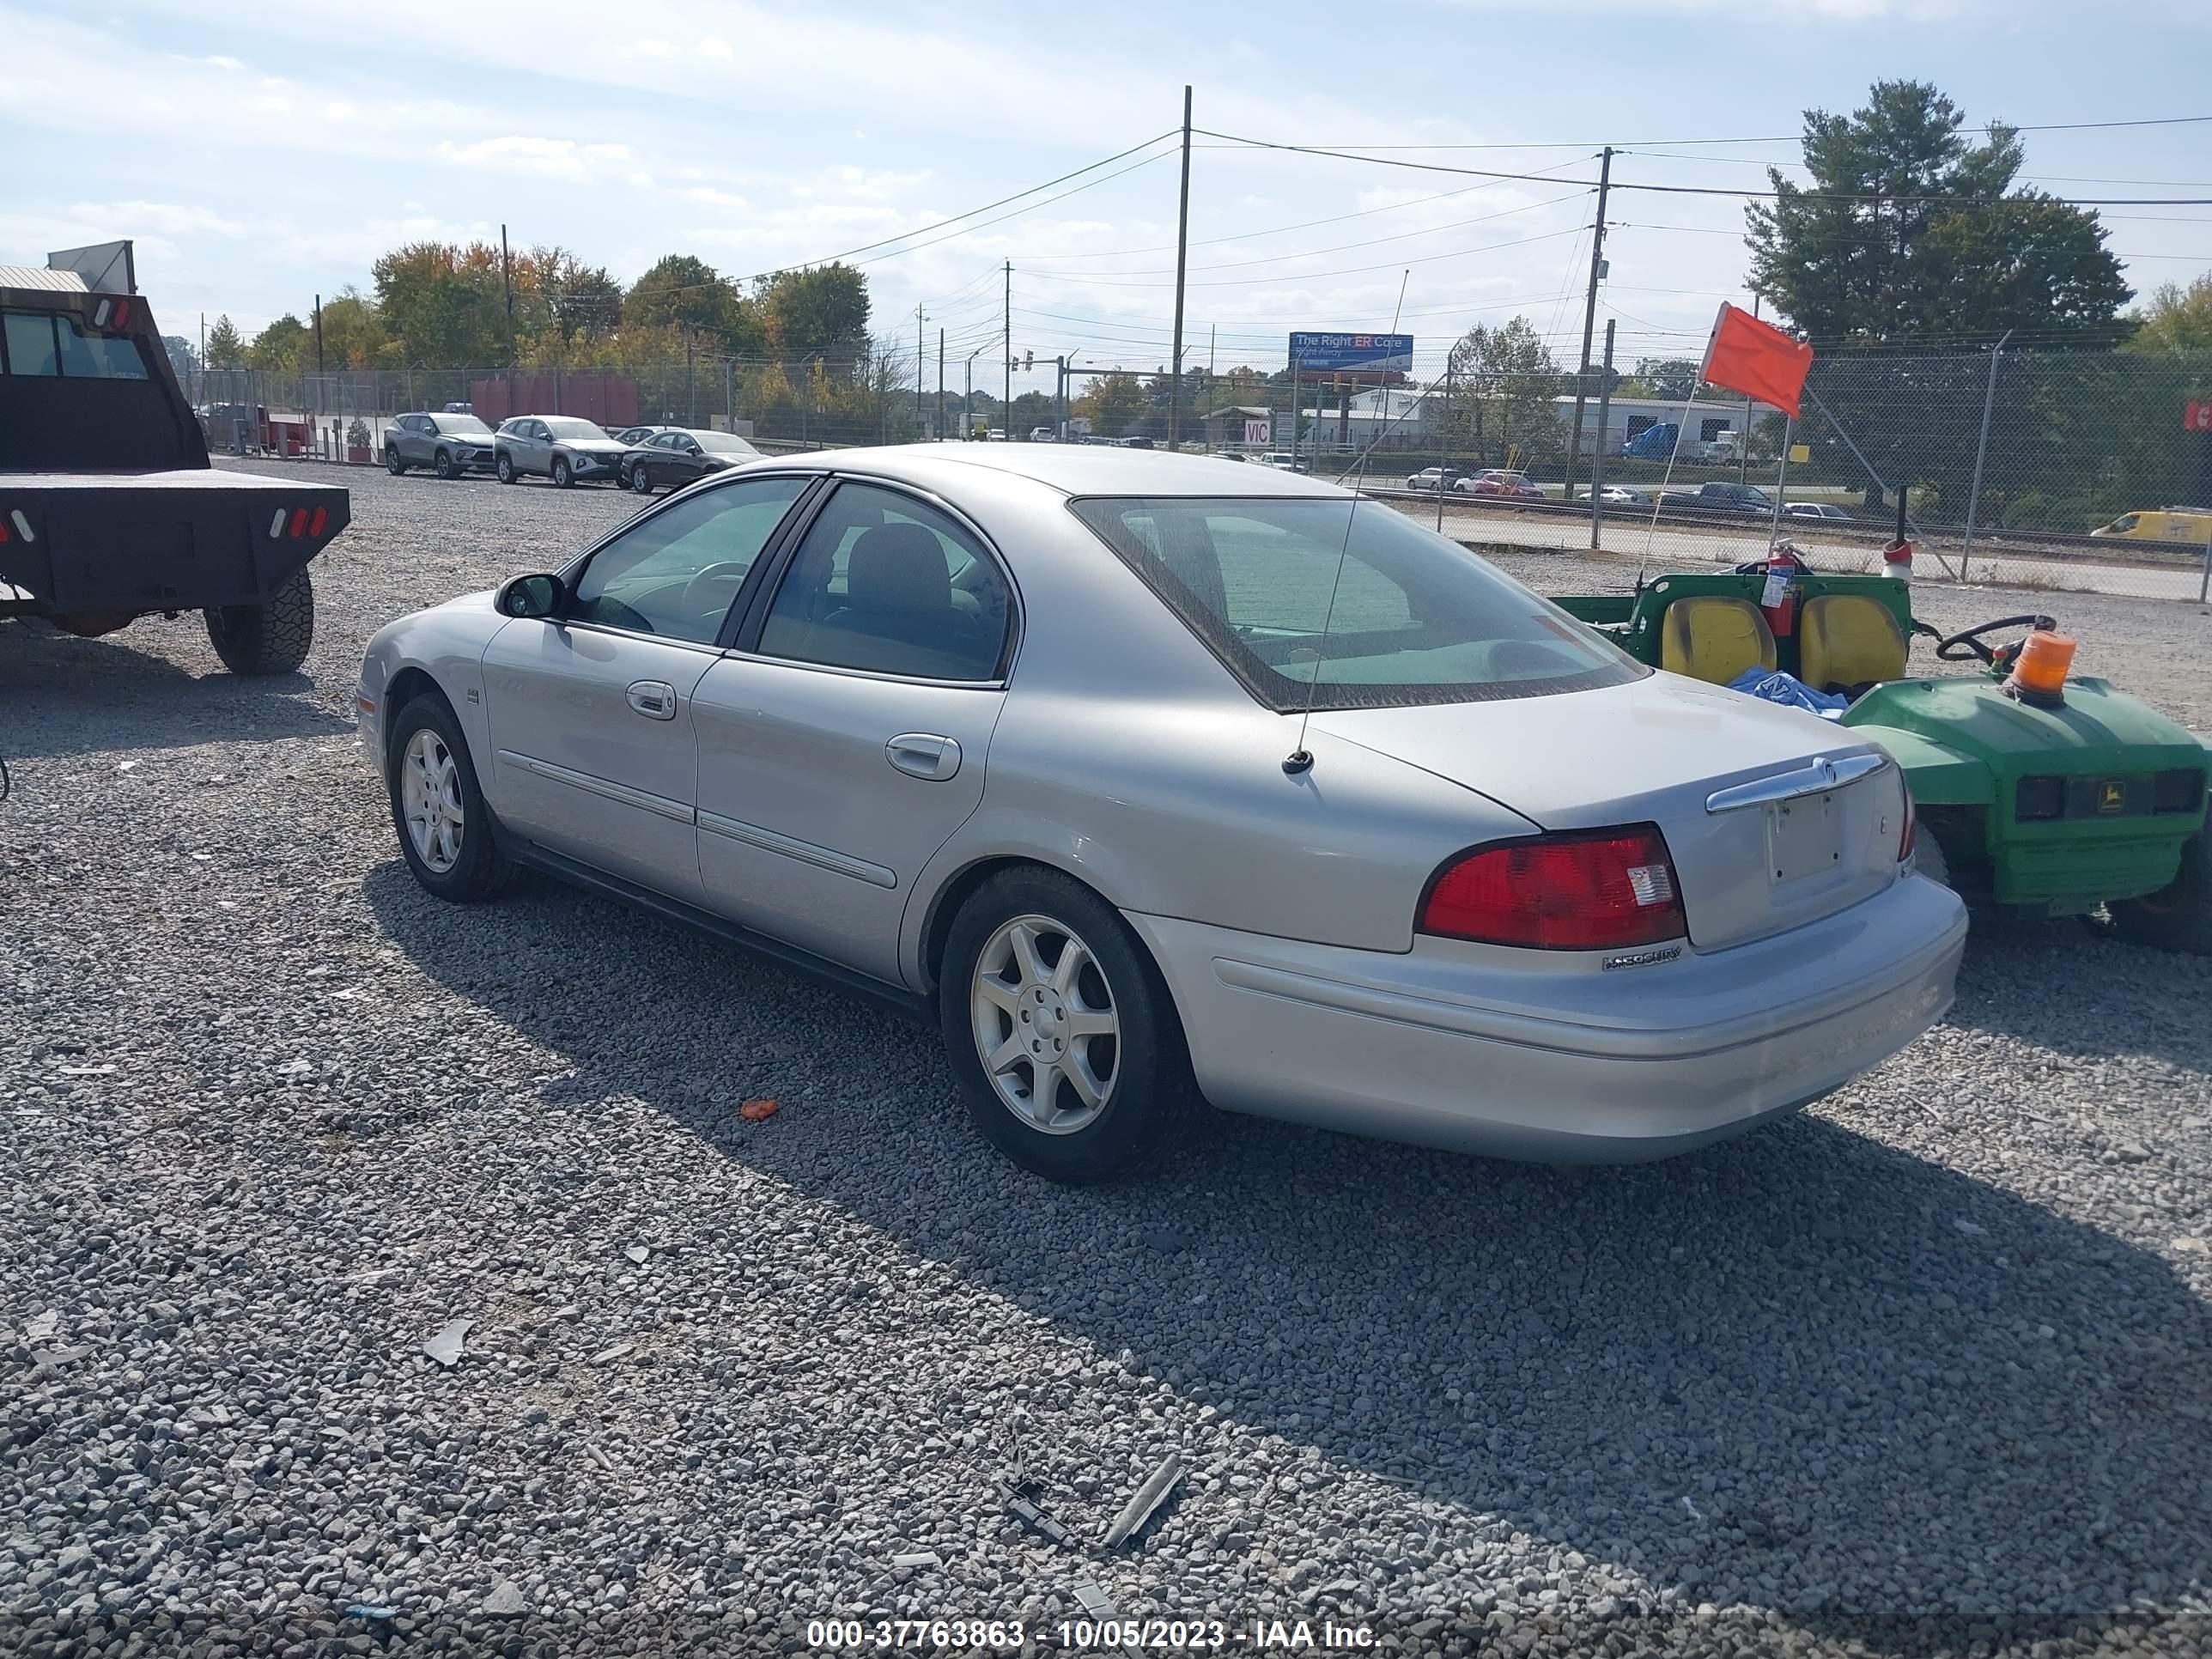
<point x="1154" y="780"/>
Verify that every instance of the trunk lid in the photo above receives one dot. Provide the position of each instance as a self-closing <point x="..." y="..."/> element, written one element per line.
<point x="1761" y="839"/>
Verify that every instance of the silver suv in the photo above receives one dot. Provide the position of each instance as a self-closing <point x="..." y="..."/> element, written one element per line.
<point x="449" y="445"/>
<point x="562" y="447"/>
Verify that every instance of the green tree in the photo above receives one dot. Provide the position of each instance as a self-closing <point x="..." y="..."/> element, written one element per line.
<point x="1665" y="377"/>
<point x="1502" y="381"/>
<point x="285" y="346"/>
<point x="225" y="348"/>
<point x="680" y="290"/>
<point x="824" y="309"/>
<point x="183" y="359"/>
<point x="443" y="303"/>
<point x="1908" y="231"/>
<point x="2177" y="319"/>
<point x="1116" y="405"/>
<point x="353" y="332"/>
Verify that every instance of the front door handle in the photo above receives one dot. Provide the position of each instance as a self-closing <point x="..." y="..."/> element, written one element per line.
<point x="654" y="699"/>
<point x="924" y="755"/>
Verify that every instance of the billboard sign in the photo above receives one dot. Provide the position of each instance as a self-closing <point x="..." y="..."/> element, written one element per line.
<point x="1353" y="354"/>
<point x="2197" y="417"/>
<point x="1256" y="432"/>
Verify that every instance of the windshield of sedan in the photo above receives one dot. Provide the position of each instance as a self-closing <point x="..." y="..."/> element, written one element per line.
<point x="1352" y="595"/>
<point x="456" y="426"/>
<point x="562" y="426"/>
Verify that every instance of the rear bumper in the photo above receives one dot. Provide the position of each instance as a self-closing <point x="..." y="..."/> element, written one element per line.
<point x="1446" y="1050"/>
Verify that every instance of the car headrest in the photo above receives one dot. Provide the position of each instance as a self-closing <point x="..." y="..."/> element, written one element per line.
<point x="897" y="567"/>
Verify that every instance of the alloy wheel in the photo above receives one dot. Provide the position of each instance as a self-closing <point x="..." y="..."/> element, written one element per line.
<point x="430" y="801"/>
<point x="1045" y="1024"/>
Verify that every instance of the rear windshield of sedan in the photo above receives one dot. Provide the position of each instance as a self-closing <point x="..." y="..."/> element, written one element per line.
<point x="1351" y="603"/>
<point x="566" y="427"/>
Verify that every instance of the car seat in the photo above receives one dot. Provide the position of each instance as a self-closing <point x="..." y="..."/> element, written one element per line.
<point x="898" y="617"/>
<point x="1713" y="637"/>
<point x="1848" y="641"/>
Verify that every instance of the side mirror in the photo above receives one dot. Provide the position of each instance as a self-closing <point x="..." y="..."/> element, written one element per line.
<point x="531" y="596"/>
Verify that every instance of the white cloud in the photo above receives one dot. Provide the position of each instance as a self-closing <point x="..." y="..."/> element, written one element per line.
<point x="543" y="158"/>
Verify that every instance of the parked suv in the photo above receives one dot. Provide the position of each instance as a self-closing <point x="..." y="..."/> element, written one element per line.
<point x="562" y="447"/>
<point x="449" y="445"/>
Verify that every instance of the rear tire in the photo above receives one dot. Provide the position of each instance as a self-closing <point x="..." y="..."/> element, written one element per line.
<point x="641" y="479"/>
<point x="1147" y="1089"/>
<point x="458" y="861"/>
<point x="393" y="463"/>
<point x="272" y="637"/>
<point x="2178" y="917"/>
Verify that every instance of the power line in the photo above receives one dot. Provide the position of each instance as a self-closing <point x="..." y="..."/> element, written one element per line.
<point x="1711" y="189"/>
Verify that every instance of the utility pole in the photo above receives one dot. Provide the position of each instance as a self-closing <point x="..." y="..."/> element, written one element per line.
<point x="1182" y="250"/>
<point x="1743" y="445"/>
<point x="1597" y="450"/>
<point x="319" y="339"/>
<point x="940" y="385"/>
<point x="1060" y="399"/>
<point x="917" y="371"/>
<point x="1589" y="316"/>
<point x="506" y="278"/>
<point x="1006" y="409"/>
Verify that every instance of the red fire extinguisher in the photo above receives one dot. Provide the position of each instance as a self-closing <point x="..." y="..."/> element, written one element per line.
<point x="1778" y="598"/>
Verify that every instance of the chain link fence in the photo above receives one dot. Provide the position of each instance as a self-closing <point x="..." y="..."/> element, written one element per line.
<point x="2036" y="469"/>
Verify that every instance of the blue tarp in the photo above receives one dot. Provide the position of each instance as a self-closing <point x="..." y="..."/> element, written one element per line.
<point x="1774" y="686"/>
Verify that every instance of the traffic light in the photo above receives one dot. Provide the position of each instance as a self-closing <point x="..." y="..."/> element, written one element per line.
<point x="1028" y="362"/>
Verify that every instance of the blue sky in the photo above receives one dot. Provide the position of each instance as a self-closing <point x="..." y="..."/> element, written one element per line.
<point x="261" y="154"/>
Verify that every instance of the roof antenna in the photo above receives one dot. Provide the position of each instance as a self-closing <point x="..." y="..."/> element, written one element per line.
<point x="1300" y="759"/>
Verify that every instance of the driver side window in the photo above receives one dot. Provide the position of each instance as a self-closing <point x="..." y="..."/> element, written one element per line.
<point x="675" y="574"/>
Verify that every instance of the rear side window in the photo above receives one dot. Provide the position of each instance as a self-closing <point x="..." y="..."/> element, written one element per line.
<point x="1350" y="603"/>
<point x="30" y="343"/>
<point x="889" y="584"/>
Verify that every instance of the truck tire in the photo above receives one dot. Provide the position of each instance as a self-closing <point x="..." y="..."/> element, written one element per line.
<point x="2179" y="916"/>
<point x="268" y="638"/>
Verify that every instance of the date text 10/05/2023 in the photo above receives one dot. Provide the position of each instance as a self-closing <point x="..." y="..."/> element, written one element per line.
<point x="1082" y="1635"/>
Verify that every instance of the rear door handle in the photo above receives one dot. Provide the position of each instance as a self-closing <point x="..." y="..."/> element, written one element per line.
<point x="924" y="755"/>
<point x="654" y="699"/>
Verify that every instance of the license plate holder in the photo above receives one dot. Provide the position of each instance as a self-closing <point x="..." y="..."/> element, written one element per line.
<point x="1801" y="838"/>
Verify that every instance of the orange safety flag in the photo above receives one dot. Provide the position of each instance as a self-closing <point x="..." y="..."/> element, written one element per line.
<point x="1757" y="359"/>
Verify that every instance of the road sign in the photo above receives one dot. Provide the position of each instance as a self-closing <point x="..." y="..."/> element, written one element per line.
<point x="1351" y="352"/>
<point x="1256" y="432"/>
<point x="2197" y="417"/>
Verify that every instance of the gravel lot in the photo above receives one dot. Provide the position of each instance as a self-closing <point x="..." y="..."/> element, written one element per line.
<point x="1925" y="1366"/>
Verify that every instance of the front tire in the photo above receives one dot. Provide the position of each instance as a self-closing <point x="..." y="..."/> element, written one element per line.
<point x="504" y="467"/>
<point x="445" y="466"/>
<point x="393" y="463"/>
<point x="437" y="808"/>
<point x="2179" y="916"/>
<point x="560" y="473"/>
<point x="272" y="637"/>
<point x="1061" y="1031"/>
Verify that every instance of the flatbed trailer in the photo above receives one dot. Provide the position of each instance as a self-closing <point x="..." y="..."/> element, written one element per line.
<point x="109" y="507"/>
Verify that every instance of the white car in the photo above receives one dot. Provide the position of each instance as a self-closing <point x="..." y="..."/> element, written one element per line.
<point x="1043" y="435"/>
<point x="1816" y="510"/>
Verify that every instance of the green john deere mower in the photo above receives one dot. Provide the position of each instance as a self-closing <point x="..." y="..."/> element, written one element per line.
<point x="2038" y="792"/>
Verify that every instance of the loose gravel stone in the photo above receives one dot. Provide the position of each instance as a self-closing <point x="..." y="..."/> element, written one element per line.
<point x="1921" y="1370"/>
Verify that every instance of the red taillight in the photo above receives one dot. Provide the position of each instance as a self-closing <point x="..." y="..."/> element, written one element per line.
<point x="299" y="524"/>
<point x="121" y="317"/>
<point x="322" y="518"/>
<point x="1589" y="890"/>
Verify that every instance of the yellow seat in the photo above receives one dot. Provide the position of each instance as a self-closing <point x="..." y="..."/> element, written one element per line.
<point x="1714" y="638"/>
<point x="1845" y="639"/>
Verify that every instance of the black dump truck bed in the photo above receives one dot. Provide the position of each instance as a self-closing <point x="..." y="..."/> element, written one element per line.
<point x="109" y="509"/>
